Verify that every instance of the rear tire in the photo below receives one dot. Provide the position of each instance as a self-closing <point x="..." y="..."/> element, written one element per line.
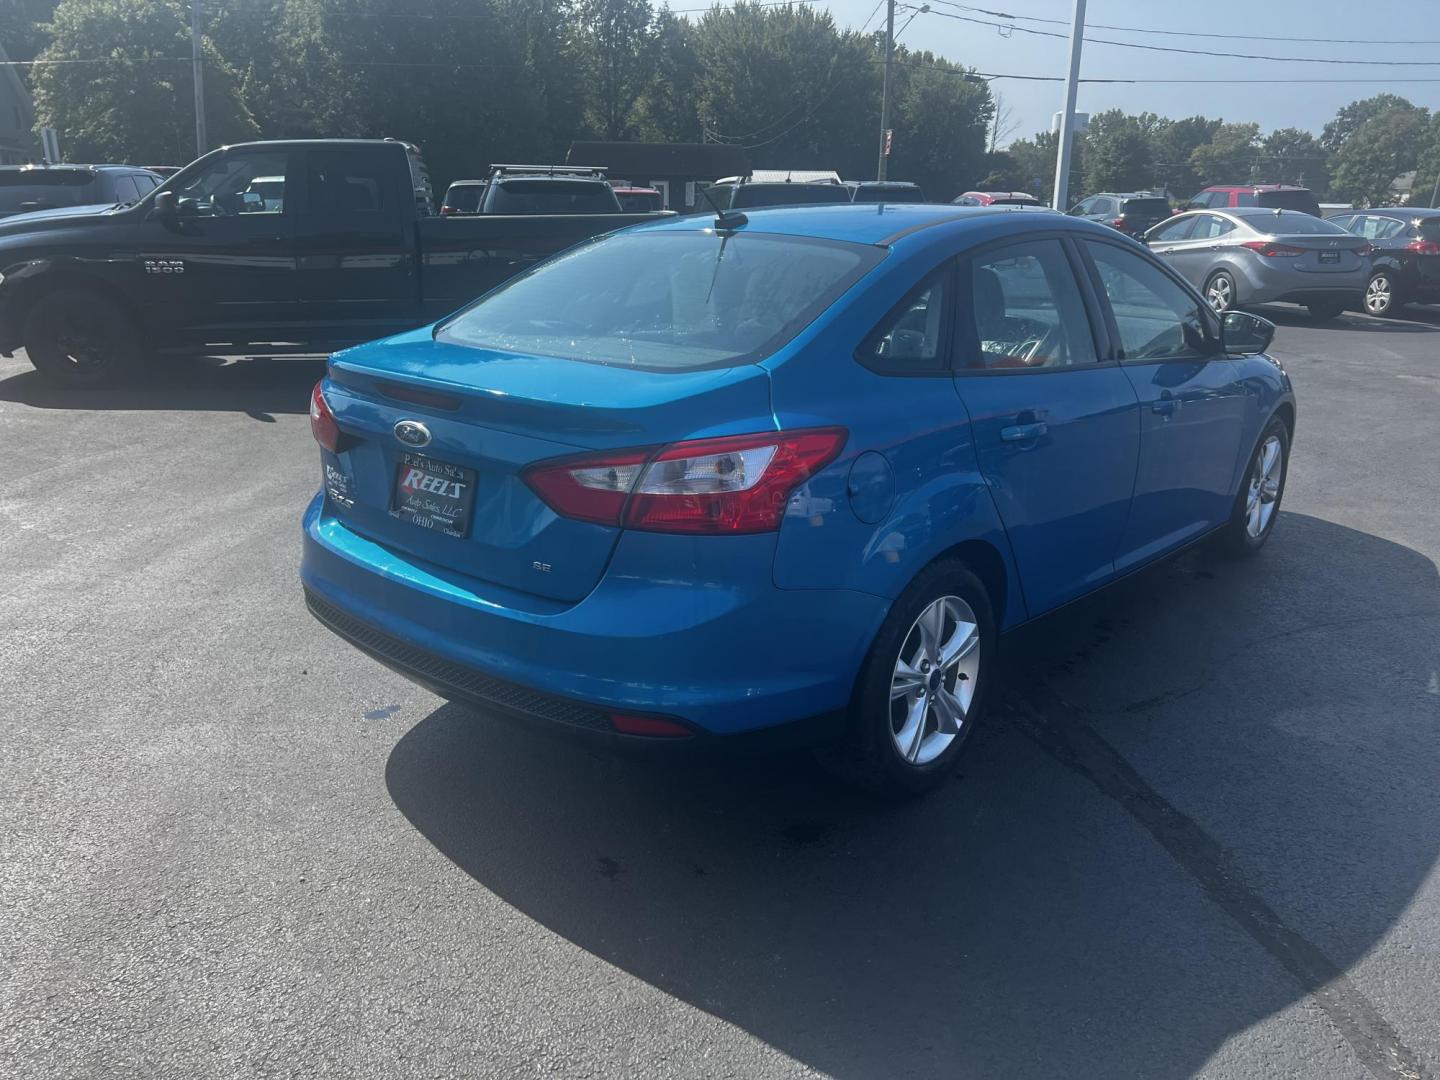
<point x="1381" y="299"/>
<point x="1257" y="503"/>
<point x="78" y="338"/>
<point x="922" y="688"/>
<point x="1220" y="292"/>
<point x="1325" y="312"/>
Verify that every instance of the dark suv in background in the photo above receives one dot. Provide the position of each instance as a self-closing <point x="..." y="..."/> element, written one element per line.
<point x="741" y="193"/>
<point x="1268" y="196"/>
<point x="26" y="188"/>
<point x="1405" y="267"/>
<point x="1132" y="212"/>
<point x="548" y="189"/>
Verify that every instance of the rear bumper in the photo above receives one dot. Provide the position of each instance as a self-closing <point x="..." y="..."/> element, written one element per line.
<point x="1259" y="285"/>
<point x="725" y="656"/>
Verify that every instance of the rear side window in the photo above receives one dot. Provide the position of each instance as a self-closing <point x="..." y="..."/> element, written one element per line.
<point x="1028" y="313"/>
<point x="341" y="182"/>
<point x="1246" y="198"/>
<point x="1179" y="229"/>
<point x="911" y="339"/>
<point x="465" y="199"/>
<point x="1155" y="317"/>
<point x="666" y="301"/>
<point x="1209" y="226"/>
<point x="547" y="196"/>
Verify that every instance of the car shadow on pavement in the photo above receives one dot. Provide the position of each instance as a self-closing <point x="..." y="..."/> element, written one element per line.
<point x="1207" y="794"/>
<point x="1410" y="320"/>
<point x="260" y="386"/>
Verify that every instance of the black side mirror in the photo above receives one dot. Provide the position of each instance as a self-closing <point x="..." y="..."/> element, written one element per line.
<point x="1243" y="334"/>
<point x="164" y="206"/>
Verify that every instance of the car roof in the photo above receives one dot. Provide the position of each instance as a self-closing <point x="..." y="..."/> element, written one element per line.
<point x="1127" y="195"/>
<point x="885" y="223"/>
<point x="1255" y="187"/>
<point x="882" y="183"/>
<point x="468" y="183"/>
<point x="1271" y="212"/>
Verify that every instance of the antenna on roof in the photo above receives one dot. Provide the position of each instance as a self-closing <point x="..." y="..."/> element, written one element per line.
<point x="725" y="220"/>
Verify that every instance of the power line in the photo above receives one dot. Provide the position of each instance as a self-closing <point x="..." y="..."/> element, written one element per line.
<point x="1191" y="33"/>
<point x="1188" y="52"/>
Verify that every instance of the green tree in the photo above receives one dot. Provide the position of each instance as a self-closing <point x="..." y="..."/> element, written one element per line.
<point x="22" y="27"/>
<point x="1027" y="165"/>
<point x="1119" y="153"/>
<point x="1376" y="152"/>
<point x="1427" y="173"/>
<point x="941" y="120"/>
<point x="1352" y="116"/>
<point x="138" y="105"/>
<point x="1292" y="156"/>
<point x="617" y="43"/>
<point x="1229" y="157"/>
<point x="666" y="109"/>
<point x="1172" y="142"/>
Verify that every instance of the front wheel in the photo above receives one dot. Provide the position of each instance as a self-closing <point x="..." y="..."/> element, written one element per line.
<point x="1220" y="292"/>
<point x="924" y="683"/>
<point x="77" y="338"/>
<point x="1257" y="505"/>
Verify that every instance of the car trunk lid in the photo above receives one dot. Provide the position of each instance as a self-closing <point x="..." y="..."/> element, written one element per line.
<point x="488" y="416"/>
<point x="1320" y="253"/>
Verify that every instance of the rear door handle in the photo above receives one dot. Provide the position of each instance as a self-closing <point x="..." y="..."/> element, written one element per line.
<point x="1023" y="432"/>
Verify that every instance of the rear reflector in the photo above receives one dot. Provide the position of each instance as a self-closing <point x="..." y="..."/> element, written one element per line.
<point x="654" y="726"/>
<point x="322" y="421"/>
<point x="1272" y="250"/>
<point x="733" y="484"/>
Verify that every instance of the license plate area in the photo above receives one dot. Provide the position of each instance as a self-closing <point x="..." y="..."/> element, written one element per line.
<point x="434" y="494"/>
<point x="1329" y="257"/>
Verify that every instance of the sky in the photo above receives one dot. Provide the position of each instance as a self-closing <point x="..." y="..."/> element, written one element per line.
<point x="1285" y="103"/>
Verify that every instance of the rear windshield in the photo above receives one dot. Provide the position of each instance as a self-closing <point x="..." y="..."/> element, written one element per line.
<point x="665" y="301"/>
<point x="552" y="197"/>
<point x="1291" y="223"/>
<point x="639" y="202"/>
<point x="1017" y="201"/>
<point x="1303" y="201"/>
<point x="1154" y="208"/>
<point x="755" y="195"/>
<point x="869" y="194"/>
<point x="464" y="198"/>
<point x="41" y="189"/>
<point x="1429" y="227"/>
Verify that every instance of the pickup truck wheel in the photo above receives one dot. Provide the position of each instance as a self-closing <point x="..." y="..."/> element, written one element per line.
<point x="76" y="337"/>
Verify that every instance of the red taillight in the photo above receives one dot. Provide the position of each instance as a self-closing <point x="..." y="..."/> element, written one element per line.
<point x="733" y="484"/>
<point x="322" y="420"/>
<point x="447" y="210"/>
<point x="1365" y="250"/>
<point x="1425" y="247"/>
<point x="648" y="725"/>
<point x="1272" y="250"/>
<point x="1119" y="222"/>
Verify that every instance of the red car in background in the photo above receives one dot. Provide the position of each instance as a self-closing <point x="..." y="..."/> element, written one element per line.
<point x="639" y="200"/>
<point x="1270" y="196"/>
<point x="996" y="198"/>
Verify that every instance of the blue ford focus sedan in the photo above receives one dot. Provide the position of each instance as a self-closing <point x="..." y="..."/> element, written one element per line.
<point x="710" y="476"/>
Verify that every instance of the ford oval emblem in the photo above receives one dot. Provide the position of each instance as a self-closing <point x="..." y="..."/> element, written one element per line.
<point x="412" y="433"/>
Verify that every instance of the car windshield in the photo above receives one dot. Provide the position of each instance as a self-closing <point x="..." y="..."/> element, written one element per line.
<point x="546" y="196"/>
<point x="755" y="195"/>
<point x="44" y="190"/>
<point x="666" y="301"/>
<point x="1304" y="201"/>
<point x="1291" y="223"/>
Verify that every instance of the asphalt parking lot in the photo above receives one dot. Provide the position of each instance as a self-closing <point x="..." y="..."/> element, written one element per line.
<point x="1199" y="837"/>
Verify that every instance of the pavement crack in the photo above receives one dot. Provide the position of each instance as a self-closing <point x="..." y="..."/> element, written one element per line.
<point x="1061" y="730"/>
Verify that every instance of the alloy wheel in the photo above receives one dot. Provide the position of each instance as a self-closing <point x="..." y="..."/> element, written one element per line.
<point x="1378" y="295"/>
<point x="1220" y="293"/>
<point x="934" y="680"/>
<point x="1264" y="491"/>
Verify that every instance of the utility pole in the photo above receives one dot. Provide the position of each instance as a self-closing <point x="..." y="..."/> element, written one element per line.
<point x="885" y="89"/>
<point x="1067" y="118"/>
<point x="197" y="64"/>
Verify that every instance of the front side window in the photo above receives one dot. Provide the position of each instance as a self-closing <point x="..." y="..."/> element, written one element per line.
<point x="1028" y="312"/>
<point x="245" y="183"/>
<point x="911" y="339"/>
<point x="665" y="301"/>
<point x="1155" y="317"/>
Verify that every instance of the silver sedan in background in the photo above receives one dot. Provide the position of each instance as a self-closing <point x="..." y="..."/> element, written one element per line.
<point x="1253" y="255"/>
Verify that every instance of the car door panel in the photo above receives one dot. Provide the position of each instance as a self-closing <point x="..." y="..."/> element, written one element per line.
<point x="1192" y="404"/>
<point x="1056" y="433"/>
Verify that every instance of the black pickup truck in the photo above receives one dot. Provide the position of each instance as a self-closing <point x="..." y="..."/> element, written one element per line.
<point x="268" y="247"/>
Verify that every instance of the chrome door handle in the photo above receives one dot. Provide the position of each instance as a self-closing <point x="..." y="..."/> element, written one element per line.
<point x="1023" y="432"/>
